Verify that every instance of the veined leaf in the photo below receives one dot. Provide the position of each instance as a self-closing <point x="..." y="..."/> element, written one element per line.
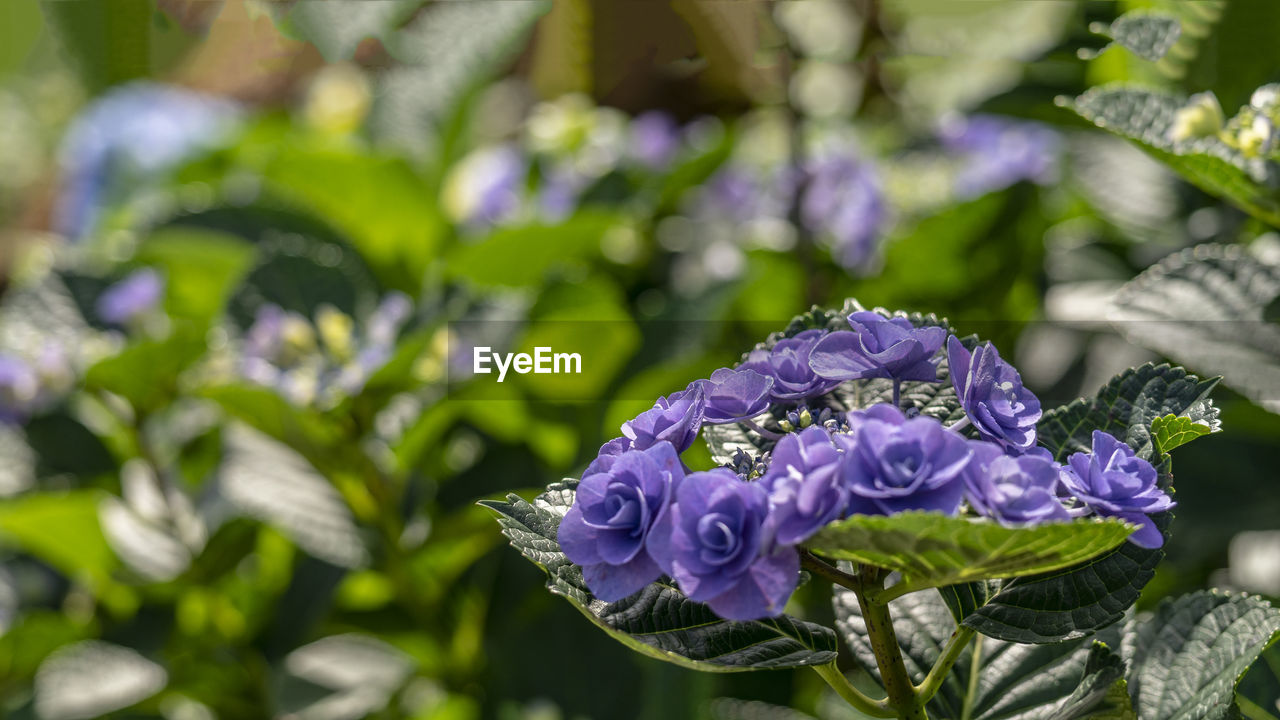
<point x="1171" y="431"/>
<point x="1029" y="682"/>
<point x="336" y="27"/>
<point x="659" y="621"/>
<point x="931" y="549"/>
<point x="1186" y="659"/>
<point x="1207" y="307"/>
<point x="1145" y="117"/>
<point x="1148" y="35"/>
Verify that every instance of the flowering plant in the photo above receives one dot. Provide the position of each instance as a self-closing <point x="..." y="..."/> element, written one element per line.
<point x="909" y="467"/>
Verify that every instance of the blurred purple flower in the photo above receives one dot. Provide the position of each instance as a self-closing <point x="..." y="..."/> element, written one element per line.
<point x="714" y="540"/>
<point x="558" y="196"/>
<point x="1113" y="482"/>
<point x="675" y="419"/>
<point x="844" y="204"/>
<point x="879" y="347"/>
<point x="136" y="131"/>
<point x="741" y="194"/>
<point x="992" y="395"/>
<point x="655" y="139"/>
<point x="1013" y="490"/>
<point x="612" y="514"/>
<point x="805" y="487"/>
<point x="999" y="152"/>
<point x="486" y="187"/>
<point x="893" y="464"/>
<point x="787" y="363"/>
<point x="136" y="294"/>
<point x="19" y="388"/>
<point x="731" y="395"/>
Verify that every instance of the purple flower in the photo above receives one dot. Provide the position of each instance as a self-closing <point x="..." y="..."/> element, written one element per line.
<point x="787" y="363"/>
<point x="675" y="419"/>
<point x="714" y="540"/>
<point x="732" y="395"/>
<point x="131" y="297"/>
<point x="611" y="517"/>
<point x="1114" y="482"/>
<point x="991" y="392"/>
<point x="655" y="138"/>
<point x="893" y="464"/>
<point x="879" y="347"/>
<point x="999" y="152"/>
<point x="804" y="484"/>
<point x="485" y="188"/>
<point x="609" y="452"/>
<point x="741" y="194"/>
<point x="843" y="202"/>
<point x="138" y="131"/>
<point x="1013" y="490"/>
<point x="19" y="388"/>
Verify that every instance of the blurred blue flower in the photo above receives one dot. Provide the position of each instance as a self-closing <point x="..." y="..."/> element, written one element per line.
<point x="135" y="295"/>
<point x="135" y="132"/>
<point x="486" y="187"/>
<point x="843" y="204"/>
<point x="606" y="529"/>
<point x="1013" y="490"/>
<point x="805" y="487"/>
<point x="1114" y="482"/>
<point x="19" y="388"/>
<point x="731" y="395"/>
<point x="879" y="347"/>
<point x="998" y="152"/>
<point x="992" y="395"/>
<point x="655" y="139"/>
<point x="714" y="540"/>
<point x="893" y="464"/>
<point x="739" y="194"/>
<point x="787" y="362"/>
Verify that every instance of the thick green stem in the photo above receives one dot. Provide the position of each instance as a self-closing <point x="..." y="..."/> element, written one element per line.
<point x="893" y="672"/>
<point x="851" y="694"/>
<point x="942" y="668"/>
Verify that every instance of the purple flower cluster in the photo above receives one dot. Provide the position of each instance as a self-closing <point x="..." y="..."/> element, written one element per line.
<point x="732" y="542"/>
<point x="997" y="152"/>
<point x="132" y="297"/>
<point x="844" y="205"/>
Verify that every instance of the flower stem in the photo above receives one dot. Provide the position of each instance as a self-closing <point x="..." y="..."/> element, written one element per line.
<point x="851" y="694"/>
<point x="766" y="434"/>
<point x="833" y="574"/>
<point x="901" y="692"/>
<point x="897" y="393"/>
<point x="942" y="668"/>
<point x="959" y="425"/>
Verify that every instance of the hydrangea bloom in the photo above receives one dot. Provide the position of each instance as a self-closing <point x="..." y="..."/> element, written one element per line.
<point x="999" y="152"/>
<point x="1013" y="490"/>
<point x="844" y="204"/>
<point x="732" y="395"/>
<point x="139" y="130"/>
<point x="805" y="488"/>
<point x="787" y="363"/>
<point x="609" y="453"/>
<point x="612" y="513"/>
<point x="1114" y="482"/>
<point x="131" y="297"/>
<point x="879" y="347"/>
<point x="675" y="419"/>
<point x="992" y="395"/>
<point x="19" y="387"/>
<point x="894" y="464"/>
<point x="655" y="139"/>
<point x="714" y="540"/>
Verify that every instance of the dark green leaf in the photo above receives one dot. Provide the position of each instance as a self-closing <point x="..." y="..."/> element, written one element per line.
<point x="931" y="549"/>
<point x="965" y="598"/>
<point x="1145" y="117"/>
<point x="1029" y="682"/>
<point x="1102" y="693"/>
<point x="1205" y="307"/>
<point x="1148" y="35"/>
<point x="1186" y="659"/>
<point x="659" y="621"/>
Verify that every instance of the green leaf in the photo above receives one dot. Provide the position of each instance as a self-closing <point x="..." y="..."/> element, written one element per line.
<point x="1207" y="307"/>
<point x="1030" y="682"/>
<point x="1147" y="34"/>
<point x="1145" y="117"/>
<point x="931" y="549"/>
<point x="107" y="41"/>
<point x="963" y="599"/>
<point x="146" y="372"/>
<point x="377" y="201"/>
<point x="60" y="529"/>
<point x="1126" y="407"/>
<point x="1103" y="693"/>
<point x="21" y="26"/>
<point x="1171" y="431"/>
<point x="336" y="27"/>
<point x="201" y="267"/>
<point x="659" y="621"/>
<point x="1186" y="659"/>
<point x="522" y="256"/>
